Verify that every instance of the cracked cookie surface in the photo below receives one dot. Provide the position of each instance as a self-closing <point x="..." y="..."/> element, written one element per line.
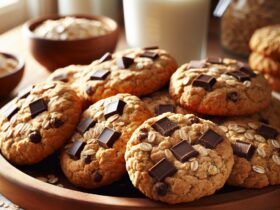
<point x="177" y="158"/>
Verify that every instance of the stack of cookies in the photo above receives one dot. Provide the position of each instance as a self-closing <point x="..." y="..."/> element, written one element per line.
<point x="215" y="124"/>
<point x="265" y="56"/>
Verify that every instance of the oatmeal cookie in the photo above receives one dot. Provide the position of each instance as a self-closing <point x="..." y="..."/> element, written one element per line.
<point x="177" y="158"/>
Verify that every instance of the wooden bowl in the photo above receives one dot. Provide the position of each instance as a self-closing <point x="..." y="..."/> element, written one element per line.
<point x="10" y="80"/>
<point x="54" y="54"/>
<point x="18" y="185"/>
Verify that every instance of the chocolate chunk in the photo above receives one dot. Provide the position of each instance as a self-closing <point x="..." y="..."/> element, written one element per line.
<point x="165" y="126"/>
<point x="25" y="92"/>
<point x="265" y="121"/>
<point x="96" y="176"/>
<point x="37" y="107"/>
<point x="89" y="90"/>
<point x="56" y="123"/>
<point x="232" y="96"/>
<point x="196" y="64"/>
<point x="87" y="159"/>
<point x="10" y="110"/>
<point x="106" y="57"/>
<point x="124" y="62"/>
<point x="267" y="132"/>
<point x="115" y="107"/>
<point x="100" y="75"/>
<point x="160" y="188"/>
<point x="241" y="76"/>
<point x="151" y="48"/>
<point x="183" y="151"/>
<point x="35" y="137"/>
<point x="163" y="108"/>
<point x="84" y="125"/>
<point x="204" y="81"/>
<point x="142" y="136"/>
<point x="151" y="55"/>
<point x="210" y="139"/>
<point x="75" y="150"/>
<point x="215" y="60"/>
<point x="243" y="149"/>
<point x="194" y="120"/>
<point x="247" y="70"/>
<point x="108" y="137"/>
<point x="162" y="169"/>
<point x="61" y="77"/>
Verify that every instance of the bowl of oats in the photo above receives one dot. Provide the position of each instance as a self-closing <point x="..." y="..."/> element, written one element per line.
<point x="11" y="72"/>
<point x="57" y="41"/>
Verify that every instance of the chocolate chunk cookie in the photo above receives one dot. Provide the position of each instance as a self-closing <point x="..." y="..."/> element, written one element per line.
<point x="94" y="156"/>
<point x="256" y="153"/>
<point x="174" y="158"/>
<point x="217" y="86"/>
<point x="38" y="122"/>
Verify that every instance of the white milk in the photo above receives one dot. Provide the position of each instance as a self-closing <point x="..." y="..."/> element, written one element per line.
<point x="179" y="26"/>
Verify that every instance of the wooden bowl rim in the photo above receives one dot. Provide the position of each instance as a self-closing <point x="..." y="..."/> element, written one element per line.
<point x="22" y="180"/>
<point x="30" y="25"/>
<point x="18" y="68"/>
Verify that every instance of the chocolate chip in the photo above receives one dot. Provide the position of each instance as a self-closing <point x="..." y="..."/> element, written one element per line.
<point x="37" y="107"/>
<point x="215" y="60"/>
<point x="151" y="48"/>
<point x="196" y="64"/>
<point x="56" y="123"/>
<point x="232" y="96"/>
<point x="84" y="125"/>
<point x="210" y="139"/>
<point x="247" y="70"/>
<point x="87" y="159"/>
<point x="108" y="137"/>
<point x="204" y="81"/>
<point x="115" y="107"/>
<point x="267" y="132"/>
<point x="106" y="57"/>
<point x="96" y="176"/>
<point x="151" y="55"/>
<point x="243" y="149"/>
<point x="241" y="76"/>
<point x="35" y="137"/>
<point x="10" y="110"/>
<point x="194" y="120"/>
<point x="162" y="169"/>
<point x="61" y="77"/>
<point x="75" y="150"/>
<point x="183" y="151"/>
<point x="163" y="108"/>
<point x="124" y="62"/>
<point x="142" y="136"/>
<point x="89" y="90"/>
<point x="160" y="188"/>
<point x="165" y="126"/>
<point x="100" y="75"/>
<point x="25" y="92"/>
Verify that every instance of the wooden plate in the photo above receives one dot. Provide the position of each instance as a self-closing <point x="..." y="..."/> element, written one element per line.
<point x="20" y="186"/>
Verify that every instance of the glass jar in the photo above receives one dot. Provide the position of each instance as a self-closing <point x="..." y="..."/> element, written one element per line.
<point x="242" y="18"/>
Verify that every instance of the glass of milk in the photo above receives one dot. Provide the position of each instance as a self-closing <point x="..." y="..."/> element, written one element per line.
<point x="178" y="26"/>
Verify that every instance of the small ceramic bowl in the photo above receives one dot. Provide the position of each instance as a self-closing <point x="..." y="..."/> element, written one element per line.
<point x="10" y="80"/>
<point x="54" y="54"/>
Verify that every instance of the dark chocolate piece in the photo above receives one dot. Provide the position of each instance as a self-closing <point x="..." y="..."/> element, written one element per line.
<point x="162" y="169"/>
<point x="96" y="176"/>
<point x="184" y="151"/>
<point x="163" y="108"/>
<point x="232" y="96"/>
<point x="106" y="57"/>
<point x="267" y="132"/>
<point x="108" y="137"/>
<point x="204" y="81"/>
<point x="87" y="159"/>
<point x="10" y="110"/>
<point x="61" y="77"/>
<point x="247" y="70"/>
<point x="115" y="107"/>
<point x="84" y="125"/>
<point x="243" y="149"/>
<point x="25" y="92"/>
<point x="148" y="54"/>
<point x="56" y="123"/>
<point x="35" y="137"/>
<point x="89" y="90"/>
<point x="241" y="76"/>
<point x="210" y="139"/>
<point x="165" y="126"/>
<point x="194" y="120"/>
<point x="265" y="121"/>
<point x="142" y="136"/>
<point x="100" y="75"/>
<point x="196" y="64"/>
<point x="37" y="107"/>
<point x="151" y="48"/>
<point x="124" y="62"/>
<point x="75" y="150"/>
<point x="160" y="188"/>
<point x="215" y="60"/>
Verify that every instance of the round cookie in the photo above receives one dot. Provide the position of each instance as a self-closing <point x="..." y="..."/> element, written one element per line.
<point x="94" y="157"/>
<point x="264" y="64"/>
<point x="38" y="122"/>
<point x="266" y="41"/>
<point x="256" y="153"/>
<point x="274" y="82"/>
<point x="217" y="86"/>
<point x="135" y="71"/>
<point x="177" y="158"/>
